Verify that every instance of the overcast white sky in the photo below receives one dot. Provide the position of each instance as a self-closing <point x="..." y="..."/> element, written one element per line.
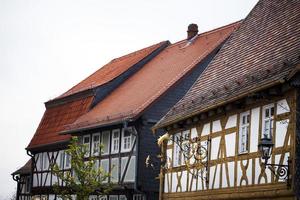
<point x="48" y="46"/>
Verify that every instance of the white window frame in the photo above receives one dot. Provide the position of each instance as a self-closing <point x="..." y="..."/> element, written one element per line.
<point x="96" y="144"/>
<point x="60" y="159"/>
<point x="112" y="197"/>
<point x="177" y="159"/>
<point x="67" y="157"/>
<point x="269" y="119"/>
<point x="87" y="144"/>
<point x="106" y="170"/>
<point x="115" y="141"/>
<point x="244" y="132"/>
<point x="103" y="197"/>
<point x="126" y="139"/>
<point x="108" y="142"/>
<point x="122" y="197"/>
<point x="115" y="169"/>
<point x="138" y="197"/>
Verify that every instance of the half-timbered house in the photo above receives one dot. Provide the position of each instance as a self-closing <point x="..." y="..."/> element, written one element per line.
<point x="216" y="134"/>
<point x="116" y="107"/>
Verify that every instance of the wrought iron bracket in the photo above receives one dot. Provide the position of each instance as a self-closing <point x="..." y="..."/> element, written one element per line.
<point x="281" y="172"/>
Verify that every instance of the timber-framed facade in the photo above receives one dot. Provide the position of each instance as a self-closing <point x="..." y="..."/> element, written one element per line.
<point x="248" y="94"/>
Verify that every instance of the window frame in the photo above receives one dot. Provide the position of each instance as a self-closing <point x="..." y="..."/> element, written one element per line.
<point x="127" y="138"/>
<point x="88" y="153"/>
<point x="93" y="144"/>
<point x="177" y="158"/>
<point x="242" y="127"/>
<point x="108" y="142"/>
<point x="270" y="119"/>
<point x="67" y="157"/>
<point x="115" y="141"/>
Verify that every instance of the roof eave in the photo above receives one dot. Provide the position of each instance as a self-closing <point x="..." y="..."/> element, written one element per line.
<point x="164" y="125"/>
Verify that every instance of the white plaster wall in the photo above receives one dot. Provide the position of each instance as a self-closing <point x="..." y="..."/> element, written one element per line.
<point x="169" y="157"/>
<point x="214" y="171"/>
<point x="192" y="181"/>
<point x="216" y="126"/>
<point x="166" y="189"/>
<point x="48" y="179"/>
<point x="281" y="130"/>
<point x="282" y="107"/>
<point x="285" y="160"/>
<point x="174" y="182"/>
<point x="230" y="144"/>
<point x="231" y="122"/>
<point x="254" y="128"/>
<point x="194" y="133"/>
<point x="35" y="181"/>
<point x="215" y="144"/>
<point x="206" y="129"/>
<point x="184" y="182"/>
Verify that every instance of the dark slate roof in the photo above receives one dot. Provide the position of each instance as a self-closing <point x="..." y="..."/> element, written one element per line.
<point x="255" y="56"/>
<point x="26" y="169"/>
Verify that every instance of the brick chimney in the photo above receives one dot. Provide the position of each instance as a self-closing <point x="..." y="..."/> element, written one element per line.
<point x="192" y="31"/>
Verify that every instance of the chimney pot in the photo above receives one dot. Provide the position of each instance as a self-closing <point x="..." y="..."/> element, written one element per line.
<point x="192" y="31"/>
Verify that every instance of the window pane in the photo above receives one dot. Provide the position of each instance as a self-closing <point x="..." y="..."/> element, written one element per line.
<point x="105" y="166"/>
<point x="114" y="170"/>
<point x="105" y="142"/>
<point x="130" y="174"/>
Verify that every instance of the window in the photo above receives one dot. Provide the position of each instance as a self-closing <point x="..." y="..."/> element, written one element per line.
<point x="177" y="151"/>
<point x="130" y="173"/>
<point x="105" y="166"/>
<point x="268" y="119"/>
<point x="60" y="159"/>
<point x="105" y="142"/>
<point x="185" y="145"/>
<point x="96" y="144"/>
<point x="114" y="170"/>
<point x="67" y="160"/>
<point x="86" y="143"/>
<point x="103" y="197"/>
<point x="138" y="197"/>
<point x="126" y="139"/>
<point x="244" y="132"/>
<point x="113" y="197"/>
<point x="115" y="141"/>
<point x="122" y="197"/>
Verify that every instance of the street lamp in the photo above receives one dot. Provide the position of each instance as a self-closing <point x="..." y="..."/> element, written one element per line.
<point x="282" y="172"/>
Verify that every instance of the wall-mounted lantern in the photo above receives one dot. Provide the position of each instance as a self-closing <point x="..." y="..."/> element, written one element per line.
<point x="281" y="172"/>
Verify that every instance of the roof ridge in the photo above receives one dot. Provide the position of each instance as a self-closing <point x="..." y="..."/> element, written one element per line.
<point x="134" y="52"/>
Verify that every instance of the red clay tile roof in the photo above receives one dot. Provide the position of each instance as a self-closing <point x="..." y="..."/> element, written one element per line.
<point x="26" y="169"/>
<point x="253" y="57"/>
<point x="54" y="120"/>
<point x="111" y="70"/>
<point x="153" y="80"/>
